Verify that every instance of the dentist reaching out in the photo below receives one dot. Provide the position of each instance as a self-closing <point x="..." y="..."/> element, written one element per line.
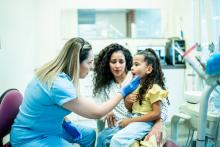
<point x="53" y="93"/>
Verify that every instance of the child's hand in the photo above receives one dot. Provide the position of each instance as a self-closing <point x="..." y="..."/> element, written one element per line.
<point x="124" y="122"/>
<point x="131" y="98"/>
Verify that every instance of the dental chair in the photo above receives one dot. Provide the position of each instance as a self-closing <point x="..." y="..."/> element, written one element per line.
<point x="189" y="113"/>
<point x="9" y="107"/>
<point x="196" y="115"/>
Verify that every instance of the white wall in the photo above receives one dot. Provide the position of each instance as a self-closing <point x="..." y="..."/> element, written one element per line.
<point x="175" y="86"/>
<point x="31" y="32"/>
<point x="17" y="35"/>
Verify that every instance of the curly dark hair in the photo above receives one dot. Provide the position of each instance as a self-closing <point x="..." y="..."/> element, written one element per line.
<point x="155" y="77"/>
<point x="102" y="73"/>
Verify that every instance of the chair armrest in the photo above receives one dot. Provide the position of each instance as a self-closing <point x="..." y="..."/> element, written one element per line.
<point x="174" y="122"/>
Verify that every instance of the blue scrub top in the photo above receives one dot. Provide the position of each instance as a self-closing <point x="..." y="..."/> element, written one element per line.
<point x="41" y="112"/>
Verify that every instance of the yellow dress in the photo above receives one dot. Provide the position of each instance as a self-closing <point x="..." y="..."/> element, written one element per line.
<point x="156" y="93"/>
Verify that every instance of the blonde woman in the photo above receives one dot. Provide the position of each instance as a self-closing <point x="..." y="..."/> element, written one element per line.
<point x="53" y="94"/>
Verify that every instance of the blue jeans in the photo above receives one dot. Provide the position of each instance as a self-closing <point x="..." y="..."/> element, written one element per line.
<point x="134" y="131"/>
<point x="105" y="136"/>
<point x="88" y="137"/>
<point x="116" y="137"/>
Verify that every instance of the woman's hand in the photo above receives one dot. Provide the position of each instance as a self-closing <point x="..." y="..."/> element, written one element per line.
<point x="157" y="131"/>
<point x="71" y="128"/>
<point x="124" y="122"/>
<point x="127" y="89"/>
<point x="110" y="117"/>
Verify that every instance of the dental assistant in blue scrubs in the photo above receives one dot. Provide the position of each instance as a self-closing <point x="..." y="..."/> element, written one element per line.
<point x="53" y="93"/>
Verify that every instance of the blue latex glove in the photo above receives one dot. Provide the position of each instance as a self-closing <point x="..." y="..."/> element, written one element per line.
<point x="71" y="129"/>
<point x="213" y="65"/>
<point x="126" y="90"/>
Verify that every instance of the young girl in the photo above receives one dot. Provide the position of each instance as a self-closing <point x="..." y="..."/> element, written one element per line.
<point x="150" y="92"/>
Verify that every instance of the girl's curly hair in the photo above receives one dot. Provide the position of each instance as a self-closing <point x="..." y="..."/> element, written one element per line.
<point x="102" y="73"/>
<point x="155" y="77"/>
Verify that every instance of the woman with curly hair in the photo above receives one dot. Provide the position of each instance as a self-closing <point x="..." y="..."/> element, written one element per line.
<point x="111" y="71"/>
